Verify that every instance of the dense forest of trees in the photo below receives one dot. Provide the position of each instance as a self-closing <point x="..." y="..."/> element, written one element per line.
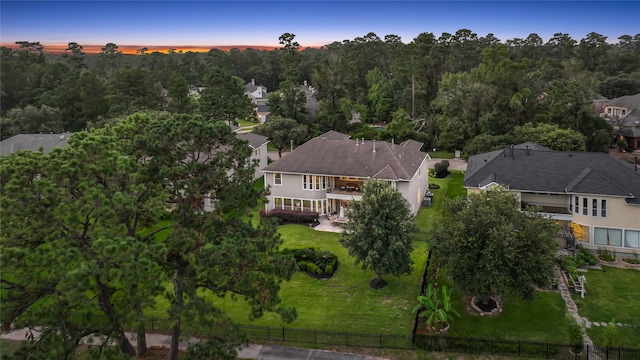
<point x="455" y="91"/>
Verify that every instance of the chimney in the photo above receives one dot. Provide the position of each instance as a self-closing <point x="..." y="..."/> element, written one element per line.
<point x="527" y="150"/>
<point x="374" y="145"/>
<point x="511" y="151"/>
<point x="357" y="141"/>
<point x="253" y="81"/>
<point x="305" y="83"/>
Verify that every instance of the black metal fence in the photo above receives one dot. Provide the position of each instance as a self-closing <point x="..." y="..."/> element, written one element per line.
<point x="464" y="345"/>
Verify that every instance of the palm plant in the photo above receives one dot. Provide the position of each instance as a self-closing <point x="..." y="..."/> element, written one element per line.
<point x="435" y="308"/>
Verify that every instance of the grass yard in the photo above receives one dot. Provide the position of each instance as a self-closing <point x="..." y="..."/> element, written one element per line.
<point x="451" y="186"/>
<point x="442" y="154"/>
<point x="544" y="319"/>
<point x="342" y="303"/>
<point x="613" y="295"/>
<point x="243" y="123"/>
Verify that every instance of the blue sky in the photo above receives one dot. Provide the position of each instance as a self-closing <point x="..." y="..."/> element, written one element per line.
<point x="315" y="23"/>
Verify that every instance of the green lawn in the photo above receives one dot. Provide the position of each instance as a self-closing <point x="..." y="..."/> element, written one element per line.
<point x="544" y="319"/>
<point x="441" y="154"/>
<point x="242" y="123"/>
<point x="612" y="295"/>
<point x="451" y="186"/>
<point x="342" y="303"/>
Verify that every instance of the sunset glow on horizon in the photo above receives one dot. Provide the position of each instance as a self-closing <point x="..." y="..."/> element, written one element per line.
<point x="133" y="49"/>
<point x="221" y="24"/>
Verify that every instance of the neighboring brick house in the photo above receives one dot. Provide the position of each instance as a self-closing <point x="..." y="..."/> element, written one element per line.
<point x="623" y="114"/>
<point x="327" y="172"/>
<point x="593" y="196"/>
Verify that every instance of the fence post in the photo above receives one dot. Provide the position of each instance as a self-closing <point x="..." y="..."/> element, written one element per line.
<point x="268" y="332"/>
<point x="547" y="350"/>
<point x="518" y="348"/>
<point x="491" y="345"/>
<point x="347" y="338"/>
<point x="315" y="336"/>
<point x="283" y="334"/>
<point x="152" y="329"/>
<point x="381" y="340"/>
<point x="576" y="353"/>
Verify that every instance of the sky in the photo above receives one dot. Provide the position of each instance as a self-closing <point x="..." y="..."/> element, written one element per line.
<point x="201" y="25"/>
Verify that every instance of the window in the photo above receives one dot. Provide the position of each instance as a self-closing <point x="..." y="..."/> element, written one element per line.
<point x="604" y="236"/>
<point x="288" y="204"/>
<point x="277" y="178"/>
<point x="277" y="203"/>
<point x="577" y="202"/>
<point x="317" y="182"/>
<point x="306" y="205"/>
<point x="632" y="239"/>
<point x="594" y="208"/>
<point x="304" y="182"/>
<point x="603" y="208"/>
<point x="585" y="206"/>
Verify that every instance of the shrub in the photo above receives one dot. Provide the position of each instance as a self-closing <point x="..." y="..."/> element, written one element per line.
<point x="604" y="255"/>
<point x="587" y="256"/>
<point x="304" y="265"/>
<point x="328" y="269"/>
<point x="291" y="216"/>
<point x="305" y="254"/>
<point x="441" y="168"/>
<point x="324" y="258"/>
<point x="314" y="269"/>
<point x="631" y="261"/>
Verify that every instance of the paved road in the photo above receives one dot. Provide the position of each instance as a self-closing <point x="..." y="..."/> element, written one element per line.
<point x="257" y="352"/>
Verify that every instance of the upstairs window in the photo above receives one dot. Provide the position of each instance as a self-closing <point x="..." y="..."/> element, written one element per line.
<point x="603" y="208"/>
<point x="594" y="208"/>
<point x="277" y="179"/>
<point x="585" y="206"/>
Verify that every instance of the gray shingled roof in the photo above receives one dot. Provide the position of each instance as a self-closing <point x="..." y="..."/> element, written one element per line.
<point x="628" y="101"/>
<point x="555" y="172"/>
<point x="255" y="140"/>
<point x="34" y="142"/>
<point x="336" y="154"/>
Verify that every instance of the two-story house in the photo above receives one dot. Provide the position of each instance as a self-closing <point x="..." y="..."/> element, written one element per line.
<point x="259" y="98"/>
<point x="623" y="114"/>
<point x="327" y="172"/>
<point x="592" y="195"/>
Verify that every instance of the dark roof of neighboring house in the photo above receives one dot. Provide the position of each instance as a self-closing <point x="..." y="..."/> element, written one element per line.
<point x="628" y="101"/>
<point x="255" y="140"/>
<point x="631" y="124"/>
<point x="263" y="108"/>
<point x="555" y="172"/>
<point x="336" y="154"/>
<point x="34" y="142"/>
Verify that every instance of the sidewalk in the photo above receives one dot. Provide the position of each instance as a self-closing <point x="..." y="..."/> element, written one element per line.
<point x="257" y="352"/>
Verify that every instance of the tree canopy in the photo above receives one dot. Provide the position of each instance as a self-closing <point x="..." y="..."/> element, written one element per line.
<point x="489" y="247"/>
<point x="79" y="249"/>
<point x="379" y="233"/>
<point x="282" y="132"/>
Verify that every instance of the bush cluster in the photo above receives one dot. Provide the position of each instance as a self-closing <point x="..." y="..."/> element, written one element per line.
<point x="571" y="264"/>
<point x="321" y="263"/>
<point x="434" y="186"/>
<point x="291" y="216"/>
<point x="441" y="169"/>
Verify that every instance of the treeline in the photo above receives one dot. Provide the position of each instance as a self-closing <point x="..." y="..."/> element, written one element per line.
<point x="445" y="91"/>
